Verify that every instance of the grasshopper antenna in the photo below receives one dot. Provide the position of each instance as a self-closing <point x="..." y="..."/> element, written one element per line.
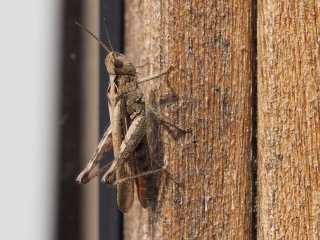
<point x="94" y="36"/>
<point x="106" y="29"/>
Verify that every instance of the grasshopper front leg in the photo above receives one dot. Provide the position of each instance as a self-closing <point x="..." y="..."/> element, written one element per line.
<point x="104" y="146"/>
<point x="132" y="138"/>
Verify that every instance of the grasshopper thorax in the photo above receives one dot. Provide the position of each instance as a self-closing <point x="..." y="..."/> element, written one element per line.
<point x="118" y="64"/>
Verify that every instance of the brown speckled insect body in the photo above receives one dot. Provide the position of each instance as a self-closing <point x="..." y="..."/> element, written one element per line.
<point x="126" y="135"/>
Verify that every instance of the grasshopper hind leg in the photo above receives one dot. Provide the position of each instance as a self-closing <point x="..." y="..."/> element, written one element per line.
<point x="125" y="189"/>
<point x="104" y="146"/>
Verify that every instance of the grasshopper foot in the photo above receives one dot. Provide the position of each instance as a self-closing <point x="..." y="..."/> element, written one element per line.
<point x="83" y="177"/>
<point x="106" y="178"/>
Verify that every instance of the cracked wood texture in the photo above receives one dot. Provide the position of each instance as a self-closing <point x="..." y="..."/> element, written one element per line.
<point x="209" y="43"/>
<point x="288" y="113"/>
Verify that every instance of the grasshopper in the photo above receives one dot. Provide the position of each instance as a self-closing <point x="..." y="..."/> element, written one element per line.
<point x="126" y="134"/>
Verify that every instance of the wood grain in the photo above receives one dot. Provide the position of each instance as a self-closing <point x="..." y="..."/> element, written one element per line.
<point x="288" y="113"/>
<point x="210" y="91"/>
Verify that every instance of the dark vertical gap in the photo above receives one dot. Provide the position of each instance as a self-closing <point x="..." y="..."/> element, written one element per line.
<point x="68" y="199"/>
<point x="110" y="218"/>
<point x="254" y="119"/>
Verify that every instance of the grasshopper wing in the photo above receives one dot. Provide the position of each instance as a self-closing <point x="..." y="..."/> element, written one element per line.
<point x="125" y="190"/>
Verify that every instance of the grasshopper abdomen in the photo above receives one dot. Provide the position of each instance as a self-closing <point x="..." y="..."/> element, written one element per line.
<point x="146" y="187"/>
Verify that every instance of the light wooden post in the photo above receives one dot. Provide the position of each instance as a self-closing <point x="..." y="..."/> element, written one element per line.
<point x="209" y="91"/>
<point x="90" y="112"/>
<point x="289" y="115"/>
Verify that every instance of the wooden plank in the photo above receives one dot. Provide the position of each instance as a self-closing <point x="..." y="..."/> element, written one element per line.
<point x="288" y="113"/>
<point x="209" y="91"/>
<point x="90" y="119"/>
<point x="69" y="132"/>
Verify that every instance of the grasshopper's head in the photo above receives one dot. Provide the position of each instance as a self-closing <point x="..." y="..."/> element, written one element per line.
<point x="118" y="64"/>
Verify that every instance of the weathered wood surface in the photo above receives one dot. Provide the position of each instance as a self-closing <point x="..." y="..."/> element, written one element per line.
<point x="288" y="113"/>
<point x="209" y="91"/>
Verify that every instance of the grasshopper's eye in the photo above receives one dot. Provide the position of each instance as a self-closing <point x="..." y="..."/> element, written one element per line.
<point x="118" y="64"/>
